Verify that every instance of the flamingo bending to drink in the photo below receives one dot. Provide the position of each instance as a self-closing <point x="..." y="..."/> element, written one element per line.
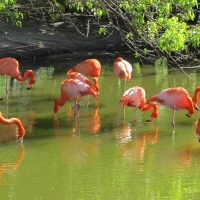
<point x="135" y="97"/>
<point x="176" y="98"/>
<point x="10" y="67"/>
<point x="73" y="89"/>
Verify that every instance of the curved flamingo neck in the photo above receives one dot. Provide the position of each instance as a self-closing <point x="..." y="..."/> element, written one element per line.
<point x="21" y="130"/>
<point x="71" y="70"/>
<point x="58" y="102"/>
<point x="154" y="113"/>
<point x="195" y="97"/>
<point x="95" y="79"/>
<point x="25" y="77"/>
<point x="190" y="107"/>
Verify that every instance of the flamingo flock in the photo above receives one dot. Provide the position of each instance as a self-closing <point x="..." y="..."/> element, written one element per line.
<point x="77" y="85"/>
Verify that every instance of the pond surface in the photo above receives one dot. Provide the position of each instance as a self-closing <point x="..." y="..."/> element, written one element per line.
<point x="91" y="158"/>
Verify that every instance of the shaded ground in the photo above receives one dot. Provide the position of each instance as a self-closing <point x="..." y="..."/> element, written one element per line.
<point x="35" y="40"/>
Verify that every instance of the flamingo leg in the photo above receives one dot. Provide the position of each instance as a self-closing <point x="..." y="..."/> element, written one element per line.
<point x="88" y="100"/>
<point x="119" y="114"/>
<point x="135" y="116"/>
<point x="124" y="114"/>
<point x="6" y="91"/>
<point x="173" y="117"/>
<point x="85" y="100"/>
<point x="75" y="108"/>
<point x="124" y="85"/>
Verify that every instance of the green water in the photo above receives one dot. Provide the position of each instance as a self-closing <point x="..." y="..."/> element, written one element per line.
<point x="91" y="158"/>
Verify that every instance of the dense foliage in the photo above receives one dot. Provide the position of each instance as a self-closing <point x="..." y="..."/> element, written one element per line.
<point x="7" y="10"/>
<point x="150" y="28"/>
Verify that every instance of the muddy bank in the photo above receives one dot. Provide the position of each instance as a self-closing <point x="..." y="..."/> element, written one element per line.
<point x="35" y="40"/>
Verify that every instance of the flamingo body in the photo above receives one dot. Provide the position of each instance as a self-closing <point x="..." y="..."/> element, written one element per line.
<point x="135" y="97"/>
<point x="73" y="89"/>
<point x="21" y="130"/>
<point x="89" y="67"/>
<point x="81" y="77"/>
<point x="175" y="98"/>
<point x="122" y="69"/>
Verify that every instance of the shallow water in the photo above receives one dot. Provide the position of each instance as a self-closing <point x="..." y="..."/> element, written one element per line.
<point x="91" y="158"/>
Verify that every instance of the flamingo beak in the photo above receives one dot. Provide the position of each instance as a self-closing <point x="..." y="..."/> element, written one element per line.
<point x="196" y="108"/>
<point x="189" y="115"/>
<point x="29" y="87"/>
<point x="1" y="98"/>
<point x="198" y="137"/>
<point x="149" y="120"/>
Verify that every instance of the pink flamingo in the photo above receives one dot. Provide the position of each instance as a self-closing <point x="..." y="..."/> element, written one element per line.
<point x="89" y="67"/>
<point x="10" y="67"/>
<point x="73" y="89"/>
<point x="135" y="97"/>
<point x="21" y="130"/>
<point x="122" y="70"/>
<point x="176" y="98"/>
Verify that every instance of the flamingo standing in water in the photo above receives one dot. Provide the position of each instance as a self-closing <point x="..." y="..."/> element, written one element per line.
<point x="73" y="89"/>
<point x="81" y="77"/>
<point x="135" y="97"/>
<point x="89" y="67"/>
<point x="176" y="98"/>
<point x="21" y="130"/>
<point x="10" y="67"/>
<point x="122" y="70"/>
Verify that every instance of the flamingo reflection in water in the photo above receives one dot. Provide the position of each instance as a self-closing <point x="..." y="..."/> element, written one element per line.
<point x="92" y="124"/>
<point x="73" y="147"/>
<point x="11" y="166"/>
<point x="187" y="155"/>
<point x="133" y="145"/>
<point x="19" y="131"/>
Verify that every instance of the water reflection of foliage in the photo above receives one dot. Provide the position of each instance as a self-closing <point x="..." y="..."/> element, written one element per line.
<point x="45" y="72"/>
<point x="161" y="70"/>
<point x="190" y="83"/>
<point x="137" y="76"/>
